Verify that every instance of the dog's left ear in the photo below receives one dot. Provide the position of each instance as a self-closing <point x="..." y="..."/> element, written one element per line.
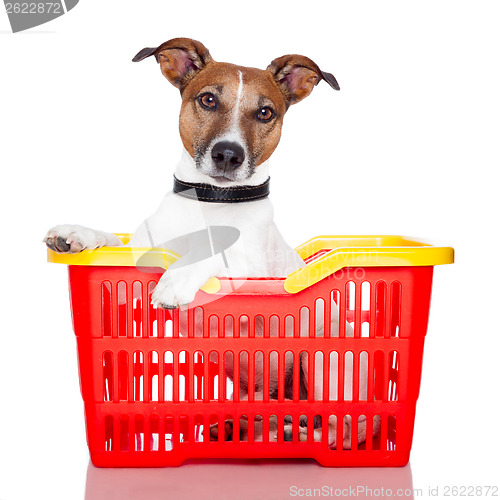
<point x="297" y="75"/>
<point x="180" y="59"/>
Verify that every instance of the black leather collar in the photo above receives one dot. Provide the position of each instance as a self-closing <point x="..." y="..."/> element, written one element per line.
<point x="215" y="194"/>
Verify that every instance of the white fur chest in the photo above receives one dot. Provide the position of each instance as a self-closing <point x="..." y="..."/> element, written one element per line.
<point x="260" y="250"/>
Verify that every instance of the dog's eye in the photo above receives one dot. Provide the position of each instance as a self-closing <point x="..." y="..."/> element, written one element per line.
<point x="265" y="114"/>
<point x="208" y="101"/>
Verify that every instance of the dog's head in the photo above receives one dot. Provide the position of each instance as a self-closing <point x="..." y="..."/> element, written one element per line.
<point x="231" y="116"/>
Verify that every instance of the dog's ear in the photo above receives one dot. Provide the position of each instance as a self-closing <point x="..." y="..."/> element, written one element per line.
<point x="297" y="75"/>
<point x="180" y="59"/>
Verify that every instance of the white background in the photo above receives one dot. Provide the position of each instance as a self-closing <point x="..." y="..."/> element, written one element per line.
<point x="409" y="146"/>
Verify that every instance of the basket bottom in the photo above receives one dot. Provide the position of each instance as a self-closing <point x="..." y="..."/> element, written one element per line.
<point x="326" y="458"/>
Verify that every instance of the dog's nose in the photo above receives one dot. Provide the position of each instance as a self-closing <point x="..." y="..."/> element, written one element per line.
<point x="227" y="156"/>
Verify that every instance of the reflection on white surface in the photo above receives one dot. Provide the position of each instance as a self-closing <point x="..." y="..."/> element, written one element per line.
<point x="248" y="480"/>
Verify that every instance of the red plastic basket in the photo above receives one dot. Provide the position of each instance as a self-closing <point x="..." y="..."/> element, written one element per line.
<point x="155" y="383"/>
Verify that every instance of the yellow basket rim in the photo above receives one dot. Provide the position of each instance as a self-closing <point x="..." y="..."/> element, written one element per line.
<point x="337" y="252"/>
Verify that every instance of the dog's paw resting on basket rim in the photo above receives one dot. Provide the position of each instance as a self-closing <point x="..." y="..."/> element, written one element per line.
<point x="175" y="289"/>
<point x="181" y="281"/>
<point x="72" y="238"/>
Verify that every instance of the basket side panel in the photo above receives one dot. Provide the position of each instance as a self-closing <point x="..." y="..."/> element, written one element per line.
<point x="157" y="386"/>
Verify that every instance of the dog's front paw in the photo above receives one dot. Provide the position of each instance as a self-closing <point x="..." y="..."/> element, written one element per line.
<point x="228" y="431"/>
<point x="73" y="239"/>
<point x="173" y="292"/>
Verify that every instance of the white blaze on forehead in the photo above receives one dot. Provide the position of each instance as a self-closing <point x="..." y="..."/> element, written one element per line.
<point x="239" y="93"/>
<point x="234" y="133"/>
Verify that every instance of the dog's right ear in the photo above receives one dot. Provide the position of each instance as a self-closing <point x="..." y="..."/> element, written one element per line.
<point x="180" y="59"/>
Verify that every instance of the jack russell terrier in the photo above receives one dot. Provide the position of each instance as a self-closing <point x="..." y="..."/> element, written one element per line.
<point x="230" y="124"/>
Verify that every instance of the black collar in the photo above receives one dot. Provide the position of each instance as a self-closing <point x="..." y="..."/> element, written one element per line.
<point x="215" y="194"/>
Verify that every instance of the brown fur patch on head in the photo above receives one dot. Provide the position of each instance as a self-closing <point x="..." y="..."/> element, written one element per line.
<point x="260" y="91"/>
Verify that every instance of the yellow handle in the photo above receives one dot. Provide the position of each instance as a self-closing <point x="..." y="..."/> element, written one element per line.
<point x="407" y="253"/>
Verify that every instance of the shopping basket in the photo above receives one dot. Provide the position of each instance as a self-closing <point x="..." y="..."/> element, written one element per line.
<point x="224" y="378"/>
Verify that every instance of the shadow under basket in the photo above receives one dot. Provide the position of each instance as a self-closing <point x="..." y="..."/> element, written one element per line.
<point x="323" y="364"/>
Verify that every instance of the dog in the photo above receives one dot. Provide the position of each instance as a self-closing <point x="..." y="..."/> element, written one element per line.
<point x="230" y="124"/>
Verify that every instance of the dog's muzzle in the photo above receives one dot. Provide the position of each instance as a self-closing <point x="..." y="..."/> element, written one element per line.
<point x="227" y="156"/>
